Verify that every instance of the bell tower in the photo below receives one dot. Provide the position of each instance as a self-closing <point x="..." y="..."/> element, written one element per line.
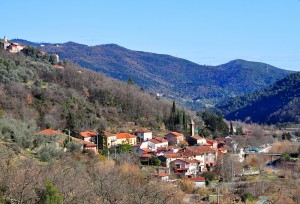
<point x="192" y="128"/>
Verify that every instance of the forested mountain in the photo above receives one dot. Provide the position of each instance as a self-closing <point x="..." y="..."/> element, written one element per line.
<point x="191" y="84"/>
<point x="278" y="103"/>
<point x="72" y="97"/>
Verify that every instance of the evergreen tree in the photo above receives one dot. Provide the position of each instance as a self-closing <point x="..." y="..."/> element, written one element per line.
<point x="50" y="195"/>
<point x="130" y="81"/>
<point x="231" y="128"/>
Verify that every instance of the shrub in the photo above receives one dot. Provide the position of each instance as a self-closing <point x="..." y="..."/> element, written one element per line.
<point x="48" y="152"/>
<point x="247" y="196"/>
<point x="209" y="176"/>
<point x="73" y="147"/>
<point x="50" y="194"/>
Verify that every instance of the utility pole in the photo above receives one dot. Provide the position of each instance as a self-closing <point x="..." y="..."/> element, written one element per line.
<point x="232" y="171"/>
<point x="69" y="135"/>
<point x="97" y="141"/>
<point x="218" y="195"/>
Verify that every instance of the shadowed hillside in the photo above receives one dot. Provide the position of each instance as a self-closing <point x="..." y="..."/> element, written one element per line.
<point x="279" y="103"/>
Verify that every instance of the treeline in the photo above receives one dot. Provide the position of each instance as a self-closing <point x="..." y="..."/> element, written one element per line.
<point x="279" y="103"/>
<point x="72" y="97"/>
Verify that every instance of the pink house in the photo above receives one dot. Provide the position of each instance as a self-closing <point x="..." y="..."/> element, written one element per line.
<point x="89" y="136"/>
<point x="86" y="145"/>
<point x="205" y="155"/>
<point x="174" y="138"/>
<point x="185" y="167"/>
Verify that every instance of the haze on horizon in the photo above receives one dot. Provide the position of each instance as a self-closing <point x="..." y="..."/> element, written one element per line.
<point x="206" y="32"/>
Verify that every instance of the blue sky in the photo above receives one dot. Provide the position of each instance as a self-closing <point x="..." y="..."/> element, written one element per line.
<point x="204" y="31"/>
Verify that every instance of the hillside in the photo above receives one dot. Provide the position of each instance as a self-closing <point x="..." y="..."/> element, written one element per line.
<point x="72" y="97"/>
<point x="191" y="84"/>
<point x="279" y="103"/>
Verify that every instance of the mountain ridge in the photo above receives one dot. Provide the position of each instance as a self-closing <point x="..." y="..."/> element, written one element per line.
<point x="278" y="103"/>
<point x="189" y="83"/>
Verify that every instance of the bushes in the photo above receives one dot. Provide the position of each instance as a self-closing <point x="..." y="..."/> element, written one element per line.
<point x="247" y="196"/>
<point x="48" y="152"/>
<point x="50" y="194"/>
<point x="73" y="147"/>
<point x="209" y="175"/>
<point x="17" y="131"/>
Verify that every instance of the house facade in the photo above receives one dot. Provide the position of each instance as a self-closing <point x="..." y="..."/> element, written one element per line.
<point x="185" y="167"/>
<point x="86" y="145"/>
<point x="123" y="138"/>
<point x="174" y="138"/>
<point x="198" y="181"/>
<point x="157" y="142"/>
<point x="88" y="136"/>
<point x="205" y="155"/>
<point x="197" y="140"/>
<point x="143" y="135"/>
<point x="109" y="139"/>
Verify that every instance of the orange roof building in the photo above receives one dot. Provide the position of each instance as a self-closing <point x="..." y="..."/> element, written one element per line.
<point x="122" y="138"/>
<point x="48" y="132"/>
<point x="174" y="138"/>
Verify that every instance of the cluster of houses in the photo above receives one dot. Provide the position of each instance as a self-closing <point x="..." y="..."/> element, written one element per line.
<point x="180" y="157"/>
<point x="11" y="46"/>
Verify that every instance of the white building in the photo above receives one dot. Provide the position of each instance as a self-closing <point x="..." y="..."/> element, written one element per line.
<point x="143" y="135"/>
<point x="157" y="142"/>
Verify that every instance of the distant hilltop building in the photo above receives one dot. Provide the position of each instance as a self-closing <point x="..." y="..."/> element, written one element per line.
<point x="10" y="46"/>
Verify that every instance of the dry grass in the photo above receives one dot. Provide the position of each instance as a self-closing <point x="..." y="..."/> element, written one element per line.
<point x="290" y="147"/>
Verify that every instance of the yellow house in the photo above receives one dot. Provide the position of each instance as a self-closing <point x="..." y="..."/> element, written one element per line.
<point x="122" y="138"/>
<point x="109" y="140"/>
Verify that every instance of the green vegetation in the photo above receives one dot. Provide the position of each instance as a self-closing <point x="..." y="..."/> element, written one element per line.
<point x="72" y="97"/>
<point x="124" y="148"/>
<point x="178" y="119"/>
<point x="247" y="196"/>
<point x="155" y="161"/>
<point x="174" y="77"/>
<point x="214" y="123"/>
<point x="279" y="103"/>
<point x="50" y="195"/>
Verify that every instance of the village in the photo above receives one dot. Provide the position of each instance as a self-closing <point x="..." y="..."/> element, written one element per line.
<point x="174" y="155"/>
<point x="188" y="159"/>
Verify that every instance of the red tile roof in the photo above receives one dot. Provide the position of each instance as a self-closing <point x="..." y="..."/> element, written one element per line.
<point x="187" y="160"/>
<point x="195" y="179"/>
<point x="197" y="137"/>
<point x="48" y="132"/>
<point x="182" y="169"/>
<point x="177" y="134"/>
<point x="124" y="136"/>
<point x="161" y="175"/>
<point x="85" y="143"/>
<point x="146" y="150"/>
<point x="142" y="131"/>
<point x="195" y="150"/>
<point x="88" y="134"/>
<point x="172" y="155"/>
<point x="158" y="140"/>
<point x="161" y="149"/>
<point x="209" y="142"/>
